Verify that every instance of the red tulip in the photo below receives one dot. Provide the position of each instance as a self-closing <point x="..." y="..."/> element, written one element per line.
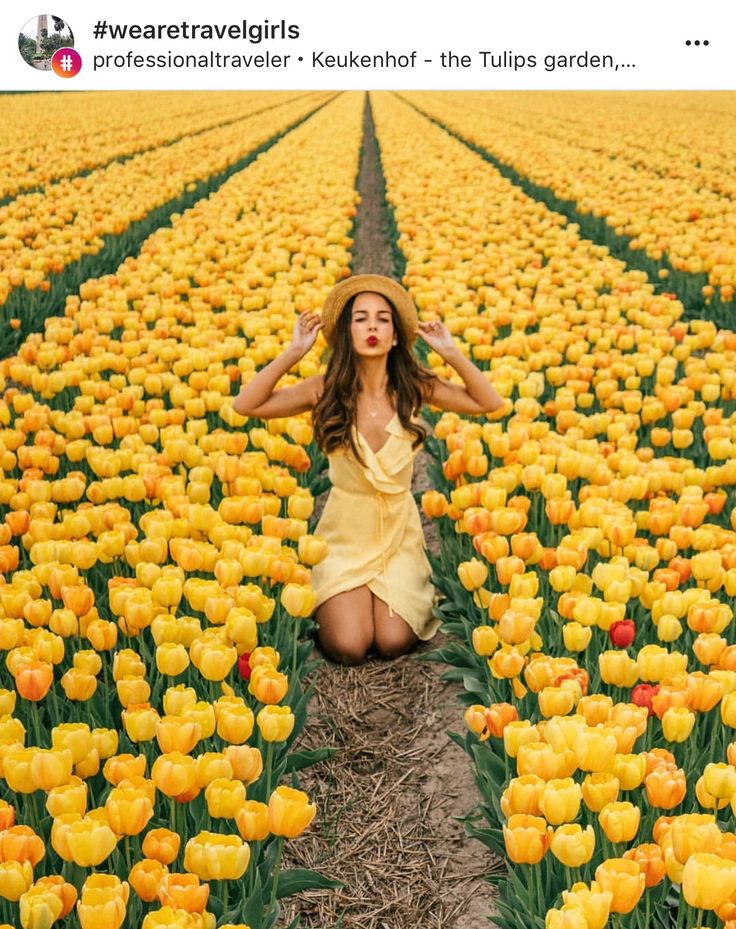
<point x="244" y="668"/>
<point x="642" y="695"/>
<point x="622" y="633"/>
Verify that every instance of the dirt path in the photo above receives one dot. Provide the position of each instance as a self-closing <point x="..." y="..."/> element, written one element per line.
<point x="387" y="798"/>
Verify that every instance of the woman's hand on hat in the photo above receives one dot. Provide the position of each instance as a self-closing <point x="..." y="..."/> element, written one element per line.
<point x="305" y="331"/>
<point x="436" y="335"/>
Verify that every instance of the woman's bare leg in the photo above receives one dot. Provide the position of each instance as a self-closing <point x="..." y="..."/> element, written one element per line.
<point x="345" y="625"/>
<point x="393" y="636"/>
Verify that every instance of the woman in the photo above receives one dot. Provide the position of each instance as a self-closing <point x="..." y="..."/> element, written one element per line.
<point x="373" y="589"/>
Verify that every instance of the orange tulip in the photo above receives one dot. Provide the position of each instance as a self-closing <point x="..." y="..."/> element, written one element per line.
<point x="20" y="843"/>
<point x="527" y="838"/>
<point x="66" y="892"/>
<point x="146" y="877"/>
<point x="184" y="892"/>
<point x="34" y="679"/>
<point x="624" y="879"/>
<point x="498" y="716"/>
<point x="161" y="845"/>
<point x="666" y="786"/>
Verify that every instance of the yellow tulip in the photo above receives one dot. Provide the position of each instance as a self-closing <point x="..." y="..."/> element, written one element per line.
<point x="599" y="789"/>
<point x="89" y="842"/>
<point x="573" y="845"/>
<point x="625" y="881"/>
<point x="526" y="838"/>
<point x="560" y="800"/>
<point x="178" y="699"/>
<point x="246" y="762"/>
<point x="576" y="636"/>
<point x="211" y="765"/>
<point x="128" y="810"/>
<point x="677" y="723"/>
<point x="139" y="722"/>
<point x="720" y="780"/>
<point x="214" y="857"/>
<point x="39" y="909"/>
<point x="67" y="798"/>
<point x="566" y="917"/>
<point x="619" y="821"/>
<point x="694" y="832"/>
<point x="51" y="768"/>
<point x="708" y="880"/>
<point x="472" y="574"/>
<point x="298" y="600"/>
<point x="595" y="749"/>
<point x="15" y="879"/>
<point x="224" y="798"/>
<point x="176" y="734"/>
<point x="275" y="723"/>
<point x="102" y="902"/>
<point x="174" y="773"/>
<point x="630" y="770"/>
<point x="252" y="821"/>
<point x="594" y="901"/>
<point x="172" y="658"/>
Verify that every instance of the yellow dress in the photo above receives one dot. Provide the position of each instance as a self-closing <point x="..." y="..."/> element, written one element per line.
<point x="372" y="528"/>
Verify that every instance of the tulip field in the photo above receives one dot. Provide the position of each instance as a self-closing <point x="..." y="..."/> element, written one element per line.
<point x="155" y="546"/>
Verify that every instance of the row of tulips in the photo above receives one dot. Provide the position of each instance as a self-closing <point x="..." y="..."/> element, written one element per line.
<point x="566" y="331"/>
<point x="160" y="556"/>
<point x="46" y="230"/>
<point x="673" y="214"/>
<point x="571" y="562"/>
<point x="114" y="128"/>
<point x="624" y="124"/>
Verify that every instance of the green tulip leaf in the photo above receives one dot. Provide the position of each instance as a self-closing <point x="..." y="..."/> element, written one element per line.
<point x="297" y="879"/>
<point x="297" y="761"/>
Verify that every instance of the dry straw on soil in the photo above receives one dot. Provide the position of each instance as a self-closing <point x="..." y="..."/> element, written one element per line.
<point x="387" y="797"/>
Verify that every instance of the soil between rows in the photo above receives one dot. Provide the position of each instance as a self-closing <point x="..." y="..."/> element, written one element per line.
<point x="387" y="797"/>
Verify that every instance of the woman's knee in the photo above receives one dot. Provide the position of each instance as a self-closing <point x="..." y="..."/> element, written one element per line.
<point x="394" y="641"/>
<point x="393" y="636"/>
<point x="348" y="653"/>
<point x="342" y="646"/>
<point x="345" y="626"/>
<point x="393" y="648"/>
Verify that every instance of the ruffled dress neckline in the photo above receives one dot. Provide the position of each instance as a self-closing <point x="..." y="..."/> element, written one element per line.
<point x="392" y="427"/>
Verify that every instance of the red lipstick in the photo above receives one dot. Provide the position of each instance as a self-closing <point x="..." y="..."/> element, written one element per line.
<point x="372" y="340"/>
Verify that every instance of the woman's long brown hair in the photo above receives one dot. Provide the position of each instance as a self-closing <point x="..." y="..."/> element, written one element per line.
<point x="336" y="411"/>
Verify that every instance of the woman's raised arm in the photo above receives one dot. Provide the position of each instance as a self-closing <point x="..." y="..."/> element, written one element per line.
<point x="477" y="396"/>
<point x="258" y="397"/>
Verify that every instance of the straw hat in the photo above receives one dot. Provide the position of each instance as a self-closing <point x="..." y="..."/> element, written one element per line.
<point x="375" y="283"/>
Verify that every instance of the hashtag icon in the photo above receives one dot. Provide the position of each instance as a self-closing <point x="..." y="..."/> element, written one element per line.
<point x="100" y="29"/>
<point x="66" y="62"/>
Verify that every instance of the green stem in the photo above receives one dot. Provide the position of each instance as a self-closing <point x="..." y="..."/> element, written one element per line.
<point x="276" y="870"/>
<point x="36" y="723"/>
<point x="681" y="911"/>
<point x="36" y="815"/>
<point x="269" y="764"/>
<point x="225" y="890"/>
<point x="296" y="642"/>
<point x="254" y="846"/>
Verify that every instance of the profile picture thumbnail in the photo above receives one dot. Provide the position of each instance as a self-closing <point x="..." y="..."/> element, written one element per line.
<point x="41" y="37"/>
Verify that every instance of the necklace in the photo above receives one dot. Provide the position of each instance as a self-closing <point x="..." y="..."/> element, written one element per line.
<point x="375" y="413"/>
